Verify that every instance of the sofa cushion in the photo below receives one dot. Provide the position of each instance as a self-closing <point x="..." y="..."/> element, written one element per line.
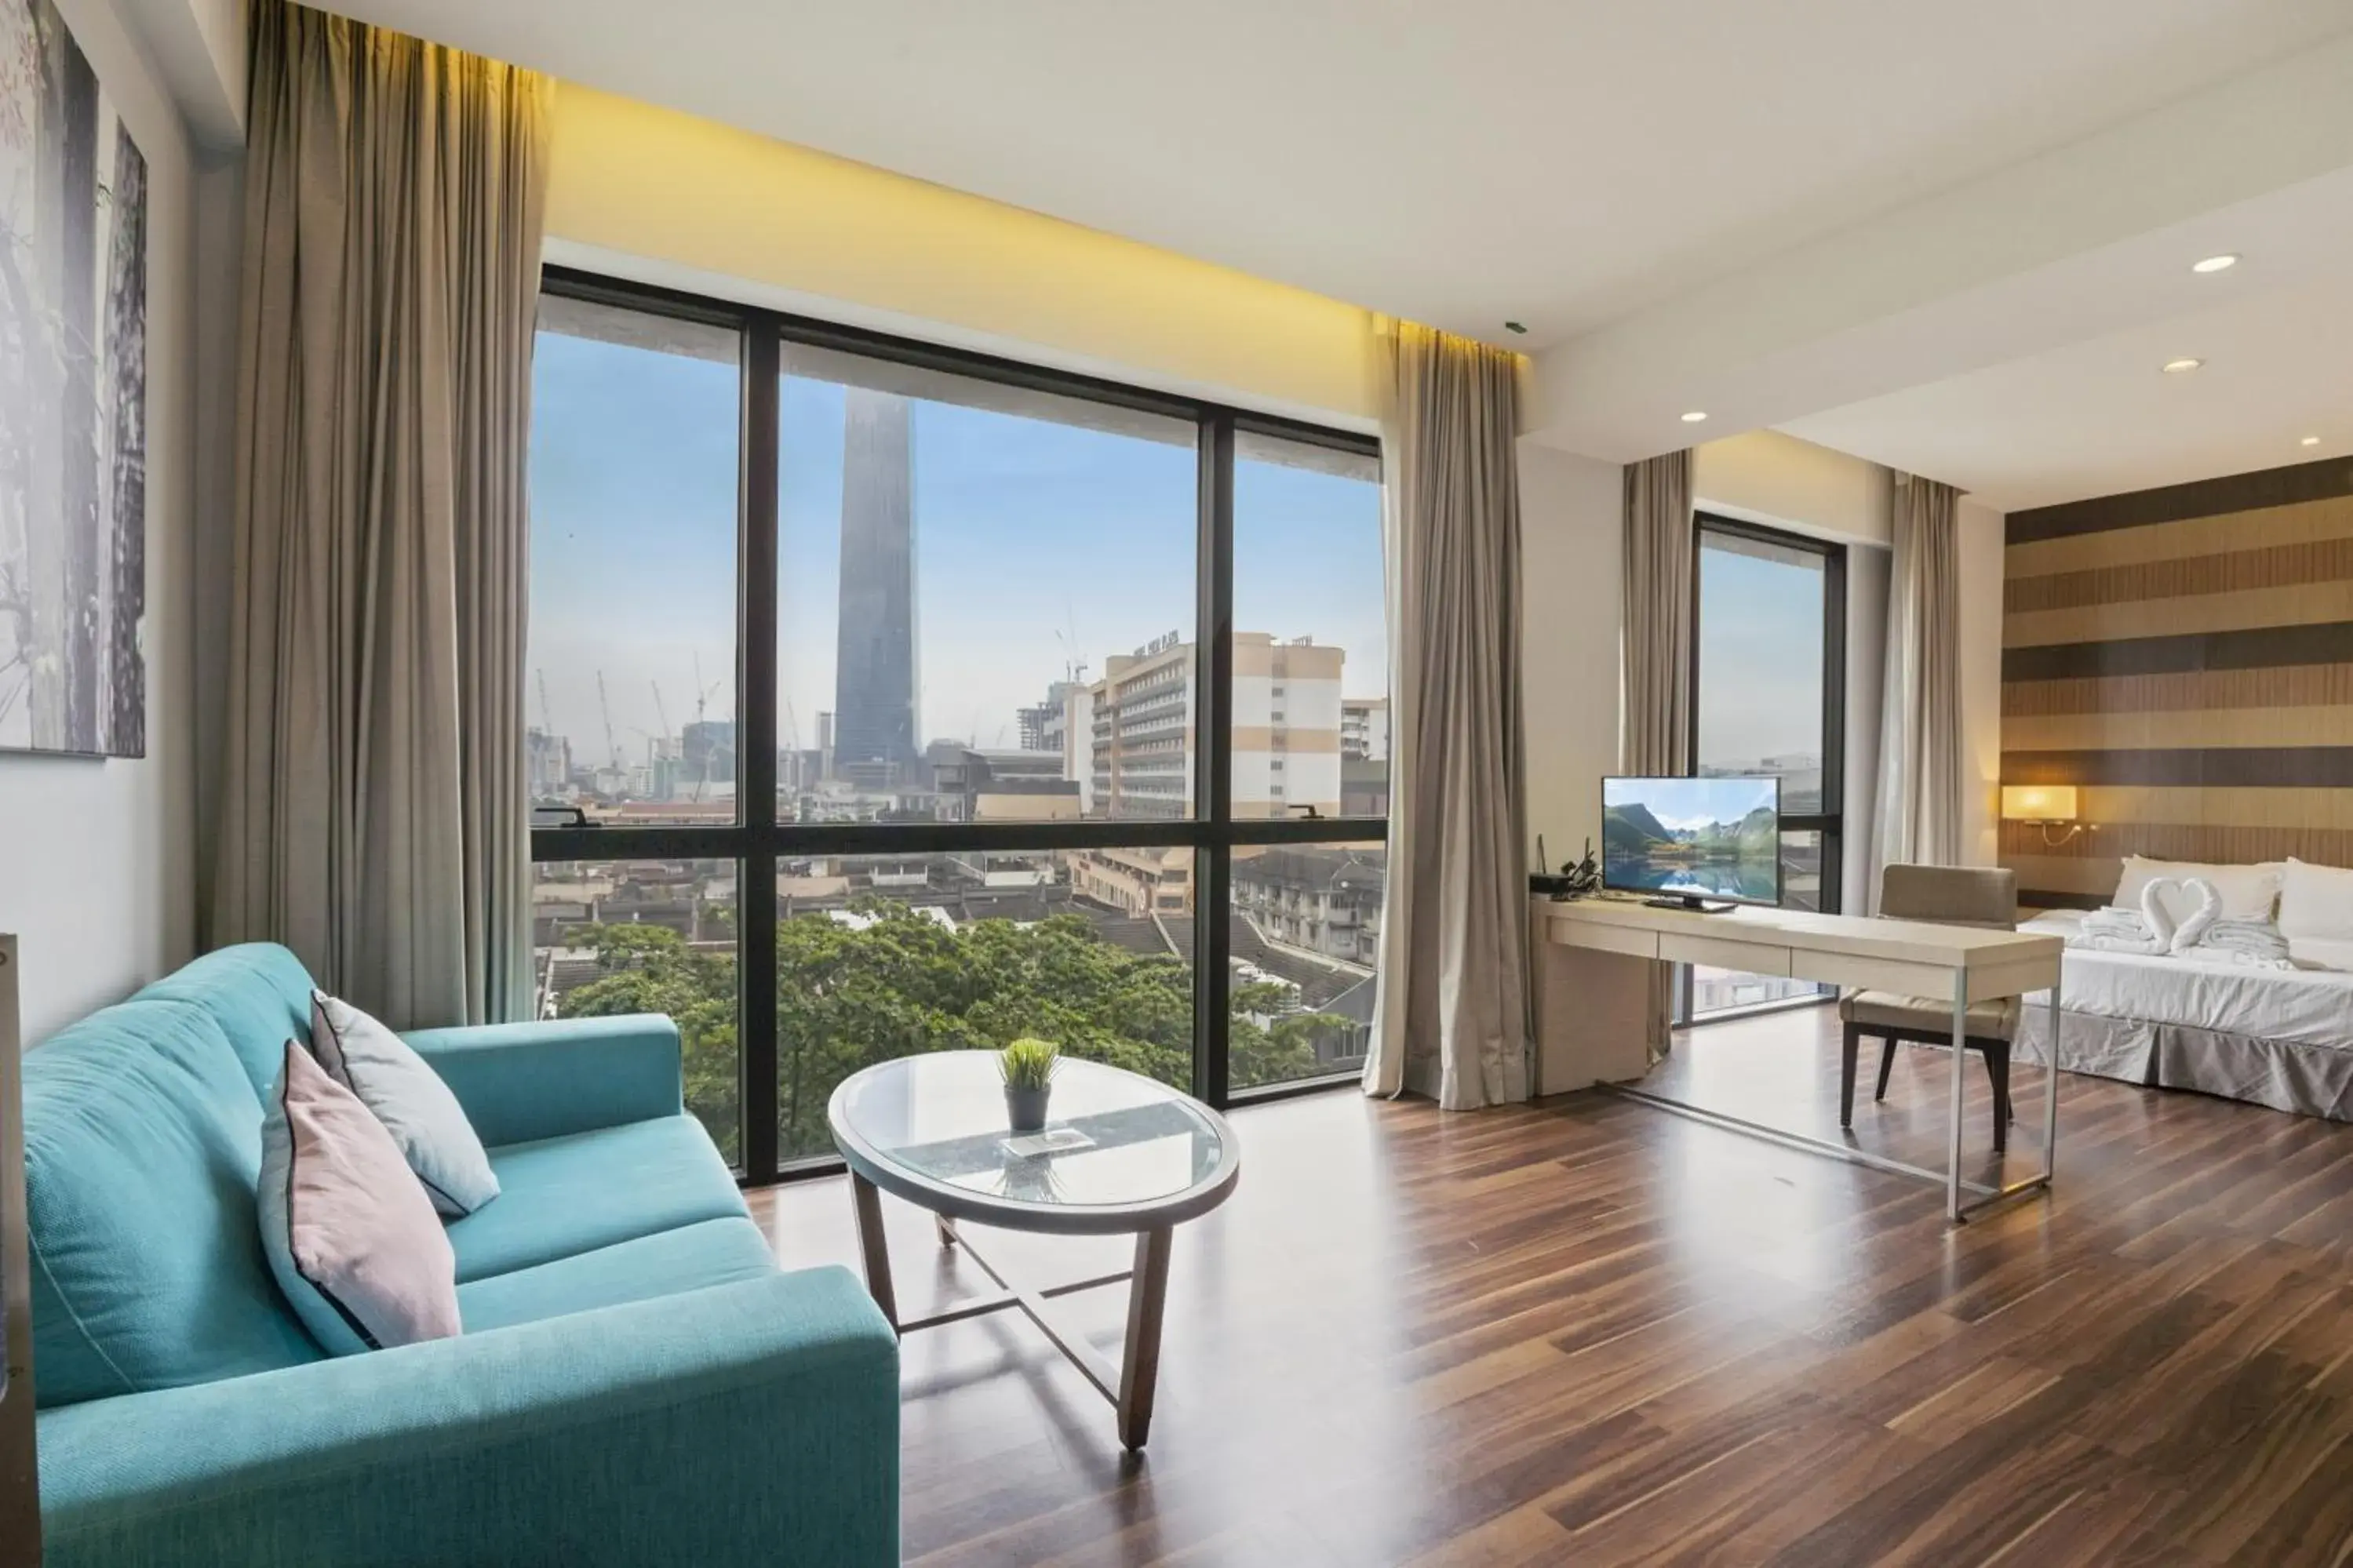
<point x="409" y="1099"/>
<point x="715" y="1252"/>
<point x="562" y="1197"/>
<point x="260" y="994"/>
<point x="1995" y="1019"/>
<point x="143" y="1141"/>
<point x="351" y="1239"/>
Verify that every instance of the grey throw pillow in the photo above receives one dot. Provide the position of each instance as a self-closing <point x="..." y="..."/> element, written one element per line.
<point x="408" y="1096"/>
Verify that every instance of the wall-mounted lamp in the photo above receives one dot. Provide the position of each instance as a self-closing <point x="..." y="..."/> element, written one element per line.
<point x="2045" y="805"/>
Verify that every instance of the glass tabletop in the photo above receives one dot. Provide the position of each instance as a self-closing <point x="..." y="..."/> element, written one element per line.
<point x="1114" y="1140"/>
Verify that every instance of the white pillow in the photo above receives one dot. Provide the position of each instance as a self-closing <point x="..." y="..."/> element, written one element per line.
<point x="2318" y="953"/>
<point x="354" y="1246"/>
<point x="2249" y="892"/>
<point x="408" y="1096"/>
<point x="2316" y="914"/>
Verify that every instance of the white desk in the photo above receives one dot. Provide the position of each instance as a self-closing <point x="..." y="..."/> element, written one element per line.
<point x="1593" y="995"/>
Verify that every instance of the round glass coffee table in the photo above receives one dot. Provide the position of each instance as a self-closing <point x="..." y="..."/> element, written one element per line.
<point x="1121" y="1154"/>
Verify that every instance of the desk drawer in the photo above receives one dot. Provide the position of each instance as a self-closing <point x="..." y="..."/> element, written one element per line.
<point x="1862" y="974"/>
<point x="1631" y="941"/>
<point x="1719" y="953"/>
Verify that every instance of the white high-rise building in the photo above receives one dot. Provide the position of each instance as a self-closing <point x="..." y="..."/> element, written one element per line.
<point x="1128" y="739"/>
<point x="1364" y="728"/>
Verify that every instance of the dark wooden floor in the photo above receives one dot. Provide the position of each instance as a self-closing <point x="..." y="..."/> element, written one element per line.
<point x="1591" y="1333"/>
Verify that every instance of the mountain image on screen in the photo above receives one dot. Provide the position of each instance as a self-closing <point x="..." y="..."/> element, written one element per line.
<point x="1716" y="837"/>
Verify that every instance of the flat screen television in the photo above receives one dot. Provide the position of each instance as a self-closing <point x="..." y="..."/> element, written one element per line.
<point x="1692" y="842"/>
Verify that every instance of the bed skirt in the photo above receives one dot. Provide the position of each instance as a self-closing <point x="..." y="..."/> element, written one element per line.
<point x="2285" y="1075"/>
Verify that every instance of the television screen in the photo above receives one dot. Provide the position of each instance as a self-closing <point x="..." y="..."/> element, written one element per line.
<point x="1699" y="838"/>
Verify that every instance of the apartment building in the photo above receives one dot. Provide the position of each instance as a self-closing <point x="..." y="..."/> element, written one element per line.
<point x="1128" y="737"/>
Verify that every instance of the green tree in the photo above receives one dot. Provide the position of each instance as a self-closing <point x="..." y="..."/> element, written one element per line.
<point x="650" y="969"/>
<point x="896" y="982"/>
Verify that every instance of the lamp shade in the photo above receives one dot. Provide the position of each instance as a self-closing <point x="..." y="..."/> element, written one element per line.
<point x="2038" y="803"/>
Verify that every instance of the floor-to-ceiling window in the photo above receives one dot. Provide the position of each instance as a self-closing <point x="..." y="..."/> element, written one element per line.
<point x="1769" y="680"/>
<point x="887" y="699"/>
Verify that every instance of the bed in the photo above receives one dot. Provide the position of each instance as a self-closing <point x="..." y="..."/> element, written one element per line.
<point x="2282" y="1038"/>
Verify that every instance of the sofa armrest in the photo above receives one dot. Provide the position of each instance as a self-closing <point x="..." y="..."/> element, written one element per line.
<point x="519" y="1082"/>
<point x="719" y="1425"/>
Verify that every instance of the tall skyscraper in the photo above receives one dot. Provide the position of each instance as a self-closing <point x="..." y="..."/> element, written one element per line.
<point x="874" y="718"/>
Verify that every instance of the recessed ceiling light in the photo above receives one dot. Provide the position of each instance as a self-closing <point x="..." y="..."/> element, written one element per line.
<point x="2310" y="441"/>
<point x="1695" y="417"/>
<point x="2180" y="367"/>
<point x="2216" y="263"/>
<point x="1515" y="328"/>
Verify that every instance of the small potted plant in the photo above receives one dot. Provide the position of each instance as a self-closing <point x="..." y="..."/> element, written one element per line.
<point x="1028" y="1066"/>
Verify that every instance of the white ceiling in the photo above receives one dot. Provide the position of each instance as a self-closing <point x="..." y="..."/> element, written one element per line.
<point x="1552" y="161"/>
<point x="1662" y="193"/>
<point x="2099" y="416"/>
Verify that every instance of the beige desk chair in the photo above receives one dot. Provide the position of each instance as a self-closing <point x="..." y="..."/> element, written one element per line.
<point x="1946" y="895"/>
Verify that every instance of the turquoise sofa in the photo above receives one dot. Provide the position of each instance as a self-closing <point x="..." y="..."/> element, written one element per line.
<point x="637" y="1382"/>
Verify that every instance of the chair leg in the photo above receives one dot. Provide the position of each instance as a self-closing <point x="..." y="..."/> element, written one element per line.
<point x="1996" y="1058"/>
<point x="1851" y="1039"/>
<point x="1886" y="1066"/>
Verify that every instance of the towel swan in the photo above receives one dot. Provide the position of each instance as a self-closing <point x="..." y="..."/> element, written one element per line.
<point x="2152" y="931"/>
<point x="2192" y="931"/>
<point x="2156" y="915"/>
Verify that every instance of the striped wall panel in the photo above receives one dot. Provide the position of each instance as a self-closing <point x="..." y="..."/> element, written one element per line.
<point x="2185" y="658"/>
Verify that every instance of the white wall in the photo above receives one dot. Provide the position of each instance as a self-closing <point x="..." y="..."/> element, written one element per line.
<point x="1571" y="516"/>
<point x="1764" y="475"/>
<point x="96" y="857"/>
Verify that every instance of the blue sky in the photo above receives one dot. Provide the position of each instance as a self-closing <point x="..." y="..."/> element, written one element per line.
<point x="1760" y="659"/>
<point x="1693" y="803"/>
<point x="1033" y="539"/>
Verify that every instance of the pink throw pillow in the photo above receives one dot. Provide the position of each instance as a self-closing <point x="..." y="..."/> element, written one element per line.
<point x="350" y="1233"/>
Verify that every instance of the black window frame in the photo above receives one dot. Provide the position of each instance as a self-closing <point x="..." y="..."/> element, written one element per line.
<point x="755" y="841"/>
<point x="1830" y="821"/>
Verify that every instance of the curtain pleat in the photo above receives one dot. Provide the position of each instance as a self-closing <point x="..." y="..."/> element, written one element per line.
<point x="1919" y="804"/>
<point x="1656" y="598"/>
<point x="374" y="813"/>
<point x="1656" y="593"/>
<point x="1451" y="1021"/>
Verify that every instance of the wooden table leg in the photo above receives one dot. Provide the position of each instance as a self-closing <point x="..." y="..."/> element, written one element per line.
<point x="873" y="1251"/>
<point x="1139" y="1368"/>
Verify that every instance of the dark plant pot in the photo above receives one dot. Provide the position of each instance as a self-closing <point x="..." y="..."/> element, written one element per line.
<point x="1026" y="1108"/>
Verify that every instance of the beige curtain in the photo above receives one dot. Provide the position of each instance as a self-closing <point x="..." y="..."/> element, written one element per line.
<point x="1656" y="602"/>
<point x="1453" y="1017"/>
<point x="1919" y="805"/>
<point x="374" y="815"/>
<point x="1656" y="592"/>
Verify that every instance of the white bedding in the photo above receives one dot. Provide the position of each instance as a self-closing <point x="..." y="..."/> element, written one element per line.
<point x="2310" y="1007"/>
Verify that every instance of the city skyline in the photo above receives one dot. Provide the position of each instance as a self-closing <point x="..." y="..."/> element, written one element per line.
<point x="1038" y="545"/>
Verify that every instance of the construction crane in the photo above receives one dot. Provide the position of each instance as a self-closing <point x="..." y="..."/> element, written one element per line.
<point x="546" y="712"/>
<point x="604" y="705"/>
<point x="702" y="695"/>
<point x="659" y="712"/>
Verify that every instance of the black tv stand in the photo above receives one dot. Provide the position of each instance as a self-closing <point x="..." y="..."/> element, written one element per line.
<point x="1689" y="903"/>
